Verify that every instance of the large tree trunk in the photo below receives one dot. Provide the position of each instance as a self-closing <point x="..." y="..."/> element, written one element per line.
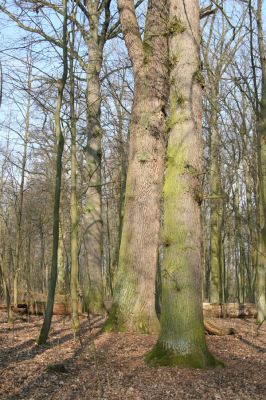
<point x="182" y="339"/>
<point x="134" y="293"/>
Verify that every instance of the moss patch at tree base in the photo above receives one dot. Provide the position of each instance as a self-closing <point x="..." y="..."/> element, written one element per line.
<point x="115" y="323"/>
<point x="93" y="302"/>
<point x="159" y="356"/>
<point x="110" y="325"/>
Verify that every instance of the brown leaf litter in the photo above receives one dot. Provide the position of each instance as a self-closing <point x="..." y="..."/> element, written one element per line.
<point x="111" y="367"/>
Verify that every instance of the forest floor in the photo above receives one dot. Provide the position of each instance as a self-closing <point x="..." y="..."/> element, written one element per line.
<point x="111" y="366"/>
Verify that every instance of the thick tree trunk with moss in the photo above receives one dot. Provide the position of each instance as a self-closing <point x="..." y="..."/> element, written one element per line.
<point x="134" y="292"/>
<point x="261" y="174"/>
<point x="182" y="340"/>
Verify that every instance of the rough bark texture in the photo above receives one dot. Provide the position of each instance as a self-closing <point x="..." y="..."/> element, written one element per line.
<point x="134" y="293"/>
<point x="182" y="340"/>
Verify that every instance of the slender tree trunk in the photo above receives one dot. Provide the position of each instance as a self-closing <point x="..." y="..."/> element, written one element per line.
<point x="215" y="240"/>
<point x="252" y="253"/>
<point x="7" y="294"/>
<point x="261" y="303"/>
<point x="121" y="187"/>
<point x="42" y="257"/>
<point x="214" y="139"/>
<point x="73" y="199"/>
<point x="182" y="339"/>
<point x="21" y="188"/>
<point x="238" y="239"/>
<point x="56" y="212"/>
<point x="6" y="256"/>
<point x="109" y="272"/>
<point x="60" y="257"/>
<point x="134" y="292"/>
<point x="93" y="215"/>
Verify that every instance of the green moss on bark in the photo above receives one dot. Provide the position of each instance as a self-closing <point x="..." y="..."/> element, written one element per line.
<point x="143" y="156"/>
<point x="176" y="114"/>
<point x="94" y="301"/>
<point x="111" y="324"/>
<point x="117" y="322"/>
<point x="176" y="26"/>
<point x="200" y="78"/>
<point x="160" y="356"/>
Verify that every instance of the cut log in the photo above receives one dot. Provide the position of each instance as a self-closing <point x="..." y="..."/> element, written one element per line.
<point x="211" y="329"/>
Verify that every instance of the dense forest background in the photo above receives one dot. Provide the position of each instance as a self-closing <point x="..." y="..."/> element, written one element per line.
<point x="68" y="85"/>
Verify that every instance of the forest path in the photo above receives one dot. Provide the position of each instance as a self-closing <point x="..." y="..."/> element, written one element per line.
<point x="111" y="367"/>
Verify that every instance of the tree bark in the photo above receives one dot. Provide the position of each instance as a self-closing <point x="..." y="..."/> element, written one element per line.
<point x="215" y="218"/>
<point x="182" y="340"/>
<point x="134" y="292"/>
<point x="93" y="216"/>
<point x="61" y="286"/>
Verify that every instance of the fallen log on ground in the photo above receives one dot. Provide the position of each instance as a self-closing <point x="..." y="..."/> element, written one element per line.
<point x="211" y="329"/>
<point x="60" y="308"/>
